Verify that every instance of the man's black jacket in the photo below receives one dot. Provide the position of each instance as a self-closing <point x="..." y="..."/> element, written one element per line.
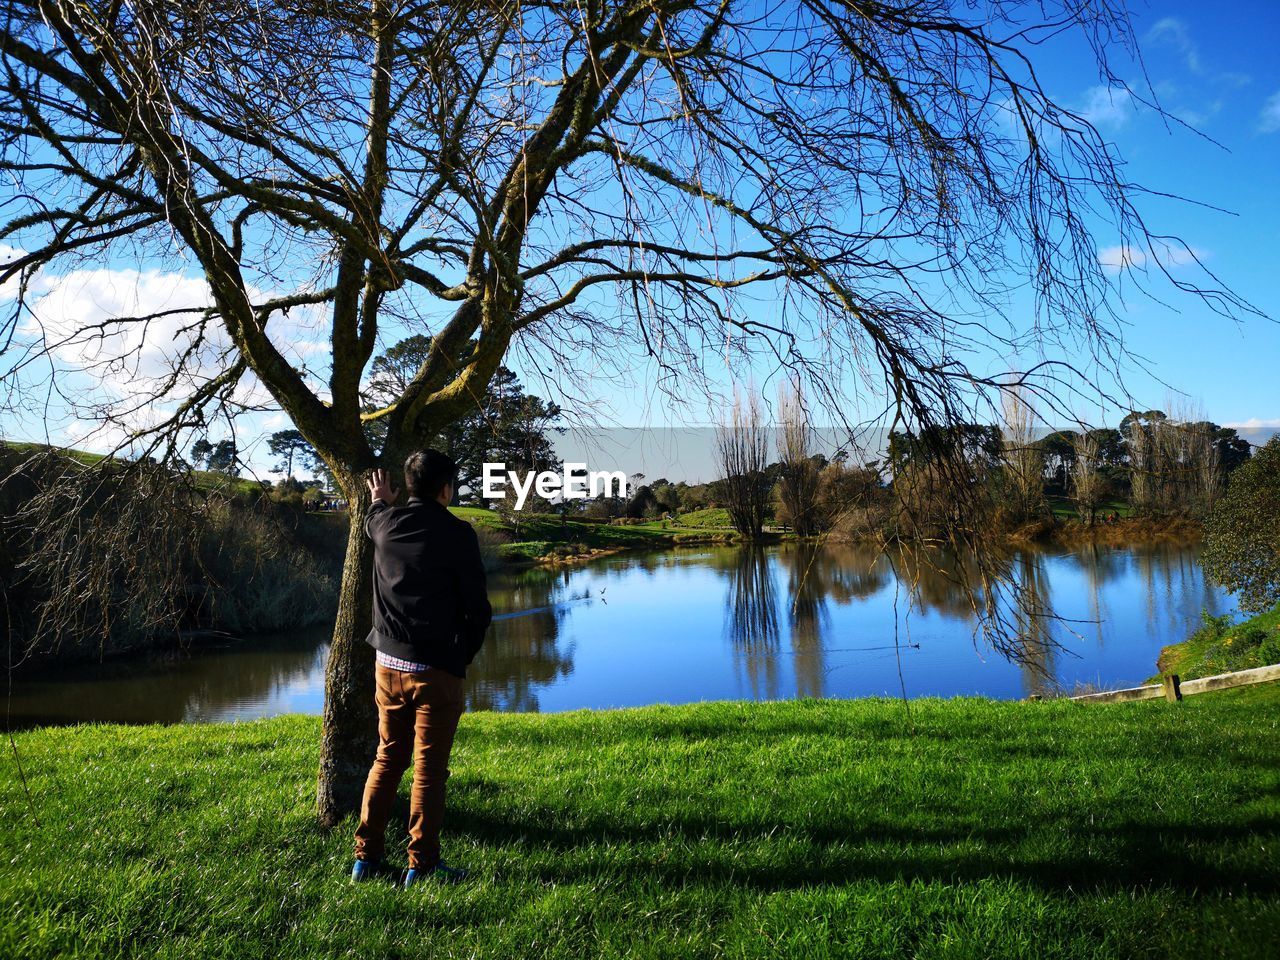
<point x="429" y="600"/>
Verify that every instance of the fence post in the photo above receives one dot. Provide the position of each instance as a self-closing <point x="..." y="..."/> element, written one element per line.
<point x="1172" y="687"/>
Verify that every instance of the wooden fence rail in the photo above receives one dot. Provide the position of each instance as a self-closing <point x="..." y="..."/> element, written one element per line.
<point x="1173" y="689"/>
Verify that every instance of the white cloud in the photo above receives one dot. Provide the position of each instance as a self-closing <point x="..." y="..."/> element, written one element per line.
<point x="87" y="321"/>
<point x="1107" y="107"/>
<point x="80" y="315"/>
<point x="1173" y="33"/>
<point x="1269" y="119"/>
<point x="9" y="289"/>
<point x="1161" y="253"/>
<point x="1254" y="423"/>
<point x="1118" y="257"/>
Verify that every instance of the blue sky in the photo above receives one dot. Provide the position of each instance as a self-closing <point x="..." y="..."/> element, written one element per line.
<point x="1215" y="67"/>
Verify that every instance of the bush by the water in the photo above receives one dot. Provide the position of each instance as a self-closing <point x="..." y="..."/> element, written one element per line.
<point x="1223" y="646"/>
<point x="104" y="558"/>
<point x="1242" y="533"/>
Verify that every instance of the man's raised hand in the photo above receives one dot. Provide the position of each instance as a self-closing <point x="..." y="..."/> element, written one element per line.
<point x="380" y="487"/>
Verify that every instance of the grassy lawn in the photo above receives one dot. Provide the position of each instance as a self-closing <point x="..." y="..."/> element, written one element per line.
<point x="204" y="479"/>
<point x="540" y="534"/>
<point x="1220" y="646"/>
<point x="806" y="829"/>
<point x="715" y="518"/>
<point x="1064" y="509"/>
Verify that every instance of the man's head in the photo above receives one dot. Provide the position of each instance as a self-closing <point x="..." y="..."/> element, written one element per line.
<point x="430" y="475"/>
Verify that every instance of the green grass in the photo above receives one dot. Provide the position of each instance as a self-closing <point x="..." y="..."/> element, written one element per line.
<point x="26" y="449"/>
<point x="1220" y="646"/>
<point x="807" y="829"/>
<point x="204" y="479"/>
<point x="541" y="534"/>
<point x="480" y="517"/>
<point x="714" y="518"/>
<point x="1065" y="509"/>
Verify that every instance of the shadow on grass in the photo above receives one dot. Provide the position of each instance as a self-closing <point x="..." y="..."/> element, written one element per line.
<point x="1136" y="856"/>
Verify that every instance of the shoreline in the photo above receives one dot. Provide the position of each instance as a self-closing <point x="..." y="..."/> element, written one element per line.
<point x="1125" y="532"/>
<point x="573" y="552"/>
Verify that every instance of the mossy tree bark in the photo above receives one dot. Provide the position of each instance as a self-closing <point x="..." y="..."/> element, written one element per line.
<point x="350" y="731"/>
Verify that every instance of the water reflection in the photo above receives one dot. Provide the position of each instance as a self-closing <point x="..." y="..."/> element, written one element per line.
<point x="751" y="619"/>
<point x="719" y="623"/>
<point x="524" y="653"/>
<point x="808" y="586"/>
<point x="257" y="677"/>
<point x="1032" y="615"/>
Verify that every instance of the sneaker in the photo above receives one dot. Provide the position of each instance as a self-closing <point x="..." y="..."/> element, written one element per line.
<point x="441" y="873"/>
<point x="370" y="870"/>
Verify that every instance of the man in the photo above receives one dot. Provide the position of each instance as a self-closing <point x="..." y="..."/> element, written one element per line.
<point x="430" y="613"/>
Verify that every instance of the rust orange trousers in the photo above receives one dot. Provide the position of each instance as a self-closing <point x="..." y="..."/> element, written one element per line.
<point x="418" y="716"/>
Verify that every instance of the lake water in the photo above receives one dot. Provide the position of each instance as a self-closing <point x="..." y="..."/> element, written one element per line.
<point x="705" y="624"/>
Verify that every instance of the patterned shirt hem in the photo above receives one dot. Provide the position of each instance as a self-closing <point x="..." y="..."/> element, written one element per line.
<point x="404" y="666"/>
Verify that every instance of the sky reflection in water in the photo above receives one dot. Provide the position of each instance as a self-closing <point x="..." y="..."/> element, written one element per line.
<point x="704" y="624"/>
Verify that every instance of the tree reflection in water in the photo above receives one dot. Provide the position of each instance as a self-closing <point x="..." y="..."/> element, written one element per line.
<point x="258" y="676"/>
<point x="725" y="609"/>
<point x="523" y="654"/>
<point x="1034" y="617"/>
<point x="808" y="573"/>
<point x="751" y="619"/>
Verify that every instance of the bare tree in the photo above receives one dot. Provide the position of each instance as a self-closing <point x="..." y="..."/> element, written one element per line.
<point x="1173" y="460"/>
<point x="742" y="446"/>
<point x="1193" y="459"/>
<point x="1207" y="479"/>
<point x="1143" y="460"/>
<point x="1023" y="458"/>
<point x="1087" y="482"/>
<point x="574" y="181"/>
<point x="798" y="474"/>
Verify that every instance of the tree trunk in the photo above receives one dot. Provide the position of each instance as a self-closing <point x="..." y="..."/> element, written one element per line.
<point x="350" y="733"/>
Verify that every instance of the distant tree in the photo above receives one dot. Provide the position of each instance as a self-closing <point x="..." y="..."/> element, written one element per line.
<point x="1233" y="450"/>
<point x="666" y="496"/>
<point x="844" y="490"/>
<point x="1023" y="458"/>
<point x="1142" y="449"/>
<point x="798" y="469"/>
<point x="604" y="508"/>
<point x="742" y="446"/>
<point x="200" y="452"/>
<point x="507" y="425"/>
<point x="694" y="497"/>
<point x="1110" y="446"/>
<point x="1242" y="532"/>
<point x="289" y="487"/>
<point x="1174" y="460"/>
<point x="224" y="459"/>
<point x="642" y="503"/>
<point x="289" y="445"/>
<point x="1059" y="452"/>
<point x="1087" y="481"/>
<point x="506" y="504"/>
<point x="977" y="445"/>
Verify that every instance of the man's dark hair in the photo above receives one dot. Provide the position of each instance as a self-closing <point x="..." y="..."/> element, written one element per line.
<point x="427" y="471"/>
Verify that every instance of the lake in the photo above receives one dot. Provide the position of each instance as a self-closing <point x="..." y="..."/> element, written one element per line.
<point x="705" y="623"/>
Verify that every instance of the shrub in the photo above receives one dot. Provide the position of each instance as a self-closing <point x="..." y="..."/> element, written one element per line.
<point x="1242" y="533"/>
